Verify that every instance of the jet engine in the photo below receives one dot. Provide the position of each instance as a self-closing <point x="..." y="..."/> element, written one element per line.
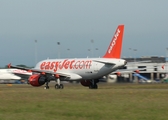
<point x="37" y="80"/>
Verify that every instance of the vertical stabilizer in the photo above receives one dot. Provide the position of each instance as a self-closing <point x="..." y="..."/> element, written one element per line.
<point x="115" y="47"/>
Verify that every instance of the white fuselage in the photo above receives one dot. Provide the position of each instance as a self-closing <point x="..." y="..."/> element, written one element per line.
<point x="85" y="68"/>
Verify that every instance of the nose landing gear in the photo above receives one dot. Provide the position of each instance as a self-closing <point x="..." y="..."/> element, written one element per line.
<point x="58" y="85"/>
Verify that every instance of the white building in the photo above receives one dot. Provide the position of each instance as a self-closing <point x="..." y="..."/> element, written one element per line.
<point x="151" y="68"/>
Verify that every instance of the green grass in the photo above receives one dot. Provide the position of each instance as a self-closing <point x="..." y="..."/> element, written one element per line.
<point x="109" y="102"/>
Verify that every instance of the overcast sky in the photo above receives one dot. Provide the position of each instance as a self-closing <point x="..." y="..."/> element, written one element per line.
<point x="74" y="23"/>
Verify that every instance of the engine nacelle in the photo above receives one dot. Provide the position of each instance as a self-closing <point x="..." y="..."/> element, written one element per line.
<point x="85" y="83"/>
<point x="37" y="80"/>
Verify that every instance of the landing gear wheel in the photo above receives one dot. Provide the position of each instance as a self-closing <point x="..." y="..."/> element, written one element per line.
<point x="46" y="87"/>
<point x="90" y="87"/>
<point x="56" y="86"/>
<point x="93" y="86"/>
<point x="61" y="86"/>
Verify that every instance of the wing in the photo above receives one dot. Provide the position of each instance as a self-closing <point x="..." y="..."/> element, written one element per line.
<point x="40" y="71"/>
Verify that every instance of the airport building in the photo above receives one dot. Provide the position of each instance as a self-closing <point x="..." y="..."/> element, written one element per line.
<point x="150" y="68"/>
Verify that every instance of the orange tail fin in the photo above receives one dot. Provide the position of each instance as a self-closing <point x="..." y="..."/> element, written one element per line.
<point x="115" y="47"/>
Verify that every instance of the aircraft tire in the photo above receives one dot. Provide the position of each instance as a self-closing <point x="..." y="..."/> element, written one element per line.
<point x="90" y="87"/>
<point x="61" y="86"/>
<point x="57" y="86"/>
<point x="93" y="86"/>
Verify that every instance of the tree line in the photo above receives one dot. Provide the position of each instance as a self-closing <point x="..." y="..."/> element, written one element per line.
<point x="6" y="66"/>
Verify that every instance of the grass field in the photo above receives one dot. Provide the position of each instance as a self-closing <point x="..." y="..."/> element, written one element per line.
<point x="109" y="102"/>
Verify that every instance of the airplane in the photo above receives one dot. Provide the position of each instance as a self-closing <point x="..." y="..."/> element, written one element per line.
<point x="6" y="75"/>
<point x="86" y="70"/>
<point x="16" y="72"/>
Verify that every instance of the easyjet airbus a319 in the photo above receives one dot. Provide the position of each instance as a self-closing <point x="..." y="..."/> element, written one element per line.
<point x="87" y="70"/>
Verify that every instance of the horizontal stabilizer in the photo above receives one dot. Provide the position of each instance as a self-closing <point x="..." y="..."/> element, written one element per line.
<point x="103" y="61"/>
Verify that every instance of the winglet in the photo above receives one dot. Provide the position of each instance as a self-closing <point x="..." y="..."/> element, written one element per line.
<point x="9" y="65"/>
<point x="115" y="47"/>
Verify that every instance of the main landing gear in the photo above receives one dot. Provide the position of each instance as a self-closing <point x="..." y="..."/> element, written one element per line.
<point x="93" y="84"/>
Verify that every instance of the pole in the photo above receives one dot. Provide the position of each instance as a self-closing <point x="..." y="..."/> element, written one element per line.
<point x="68" y="52"/>
<point x="58" y="43"/>
<point x="92" y="41"/>
<point x="35" y="51"/>
<point x="89" y="52"/>
<point x="96" y="50"/>
<point x="130" y="53"/>
<point x="134" y="55"/>
<point x="134" y="50"/>
<point x="167" y="62"/>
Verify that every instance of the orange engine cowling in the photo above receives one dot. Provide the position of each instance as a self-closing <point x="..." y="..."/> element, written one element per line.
<point x="85" y="83"/>
<point x="37" y="80"/>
